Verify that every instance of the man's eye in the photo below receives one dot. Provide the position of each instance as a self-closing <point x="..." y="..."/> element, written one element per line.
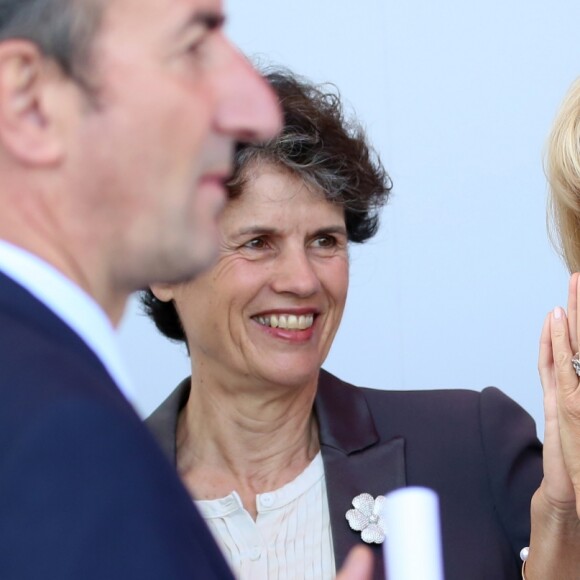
<point x="197" y="43"/>
<point x="203" y="32"/>
<point x="194" y="47"/>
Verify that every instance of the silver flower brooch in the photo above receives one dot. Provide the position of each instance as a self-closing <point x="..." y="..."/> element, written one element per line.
<point x="367" y="518"/>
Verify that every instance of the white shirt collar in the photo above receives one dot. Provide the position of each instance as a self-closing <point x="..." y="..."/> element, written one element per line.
<point x="71" y="304"/>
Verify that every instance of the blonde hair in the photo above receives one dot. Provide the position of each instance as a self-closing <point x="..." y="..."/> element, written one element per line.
<point x="563" y="172"/>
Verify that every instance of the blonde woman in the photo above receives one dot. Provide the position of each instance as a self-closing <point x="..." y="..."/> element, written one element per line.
<point x="559" y="495"/>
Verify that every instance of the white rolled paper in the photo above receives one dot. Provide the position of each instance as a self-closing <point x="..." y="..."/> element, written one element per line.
<point x="412" y="548"/>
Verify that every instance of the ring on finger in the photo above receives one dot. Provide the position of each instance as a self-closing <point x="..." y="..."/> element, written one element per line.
<point x="576" y="363"/>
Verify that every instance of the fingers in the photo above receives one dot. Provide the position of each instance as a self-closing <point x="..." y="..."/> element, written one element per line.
<point x="556" y="486"/>
<point x="565" y="375"/>
<point x="573" y="301"/>
<point x="546" y="371"/>
<point x="545" y="357"/>
<point x="568" y="408"/>
<point x="358" y="565"/>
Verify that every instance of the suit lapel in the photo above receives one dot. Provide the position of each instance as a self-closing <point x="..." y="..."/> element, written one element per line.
<point x="19" y="304"/>
<point x="355" y="460"/>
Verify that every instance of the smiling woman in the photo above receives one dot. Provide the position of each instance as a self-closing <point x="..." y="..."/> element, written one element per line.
<point x="274" y="449"/>
<point x="242" y="318"/>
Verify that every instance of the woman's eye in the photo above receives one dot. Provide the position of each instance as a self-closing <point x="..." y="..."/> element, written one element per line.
<point x="255" y="244"/>
<point x="325" y="242"/>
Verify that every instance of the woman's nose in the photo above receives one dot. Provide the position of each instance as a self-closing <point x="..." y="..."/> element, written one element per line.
<point x="295" y="274"/>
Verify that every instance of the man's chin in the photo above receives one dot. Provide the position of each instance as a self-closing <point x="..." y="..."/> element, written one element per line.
<point x="201" y="260"/>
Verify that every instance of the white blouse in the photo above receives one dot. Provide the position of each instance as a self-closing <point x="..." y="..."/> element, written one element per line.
<point x="291" y="537"/>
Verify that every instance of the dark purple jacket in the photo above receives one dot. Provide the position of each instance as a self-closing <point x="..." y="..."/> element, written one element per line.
<point x="478" y="451"/>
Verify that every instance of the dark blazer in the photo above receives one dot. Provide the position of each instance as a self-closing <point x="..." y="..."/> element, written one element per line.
<point x="478" y="451"/>
<point x="85" y="492"/>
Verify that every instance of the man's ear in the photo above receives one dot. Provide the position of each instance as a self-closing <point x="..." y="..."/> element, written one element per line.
<point x="28" y="130"/>
<point x="163" y="292"/>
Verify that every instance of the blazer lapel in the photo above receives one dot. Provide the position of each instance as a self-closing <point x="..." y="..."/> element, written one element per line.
<point x="355" y="460"/>
<point x="27" y="309"/>
<point x="163" y="421"/>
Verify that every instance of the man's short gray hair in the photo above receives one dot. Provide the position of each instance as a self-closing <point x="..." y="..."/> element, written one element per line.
<point x="63" y="30"/>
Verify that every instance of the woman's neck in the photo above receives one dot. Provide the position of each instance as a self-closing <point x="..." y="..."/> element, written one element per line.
<point x="245" y="440"/>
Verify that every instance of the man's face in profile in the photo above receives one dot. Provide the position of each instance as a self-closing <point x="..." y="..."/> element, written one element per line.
<point x="172" y="97"/>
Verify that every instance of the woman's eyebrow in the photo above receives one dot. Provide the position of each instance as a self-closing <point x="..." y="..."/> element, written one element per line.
<point x="257" y="230"/>
<point x="336" y="229"/>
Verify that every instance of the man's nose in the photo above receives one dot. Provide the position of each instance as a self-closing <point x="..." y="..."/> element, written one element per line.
<point x="249" y="110"/>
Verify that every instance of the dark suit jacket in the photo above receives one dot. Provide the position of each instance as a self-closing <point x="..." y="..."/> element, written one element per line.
<point x="478" y="451"/>
<point x="85" y="492"/>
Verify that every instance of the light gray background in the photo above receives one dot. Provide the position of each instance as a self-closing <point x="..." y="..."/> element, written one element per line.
<point x="458" y="97"/>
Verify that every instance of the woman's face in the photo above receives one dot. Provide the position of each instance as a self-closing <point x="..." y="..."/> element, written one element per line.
<point x="269" y="309"/>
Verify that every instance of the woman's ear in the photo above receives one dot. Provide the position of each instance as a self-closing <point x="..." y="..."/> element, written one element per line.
<point x="29" y="107"/>
<point x="163" y="292"/>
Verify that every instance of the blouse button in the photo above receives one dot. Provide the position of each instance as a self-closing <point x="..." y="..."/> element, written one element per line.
<point x="255" y="553"/>
<point x="267" y="500"/>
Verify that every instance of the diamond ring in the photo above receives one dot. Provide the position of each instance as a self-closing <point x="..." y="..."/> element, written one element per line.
<point x="576" y="363"/>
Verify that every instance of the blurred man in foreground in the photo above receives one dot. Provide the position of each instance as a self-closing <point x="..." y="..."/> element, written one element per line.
<point x="117" y="124"/>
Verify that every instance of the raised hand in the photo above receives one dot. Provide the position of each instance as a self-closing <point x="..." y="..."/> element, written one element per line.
<point x="561" y="386"/>
<point x="555" y="537"/>
<point x="557" y="485"/>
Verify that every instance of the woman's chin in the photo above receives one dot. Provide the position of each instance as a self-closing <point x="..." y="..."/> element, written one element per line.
<point x="292" y="374"/>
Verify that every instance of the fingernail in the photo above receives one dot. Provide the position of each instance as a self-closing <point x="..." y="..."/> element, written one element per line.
<point x="557" y="313"/>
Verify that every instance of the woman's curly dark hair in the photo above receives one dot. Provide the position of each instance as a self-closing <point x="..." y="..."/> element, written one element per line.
<point x="320" y="145"/>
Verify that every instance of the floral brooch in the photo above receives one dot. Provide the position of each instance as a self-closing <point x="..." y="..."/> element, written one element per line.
<point x="366" y="517"/>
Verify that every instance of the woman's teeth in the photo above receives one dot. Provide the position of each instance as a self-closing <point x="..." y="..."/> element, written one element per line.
<point x="287" y="321"/>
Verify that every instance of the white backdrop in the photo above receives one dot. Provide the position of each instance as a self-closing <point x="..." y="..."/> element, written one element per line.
<point x="458" y="97"/>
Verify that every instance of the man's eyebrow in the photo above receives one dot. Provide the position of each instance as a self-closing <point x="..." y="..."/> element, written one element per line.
<point x="207" y="19"/>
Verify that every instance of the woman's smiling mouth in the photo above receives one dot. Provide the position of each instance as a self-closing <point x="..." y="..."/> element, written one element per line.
<point x="286" y="321"/>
